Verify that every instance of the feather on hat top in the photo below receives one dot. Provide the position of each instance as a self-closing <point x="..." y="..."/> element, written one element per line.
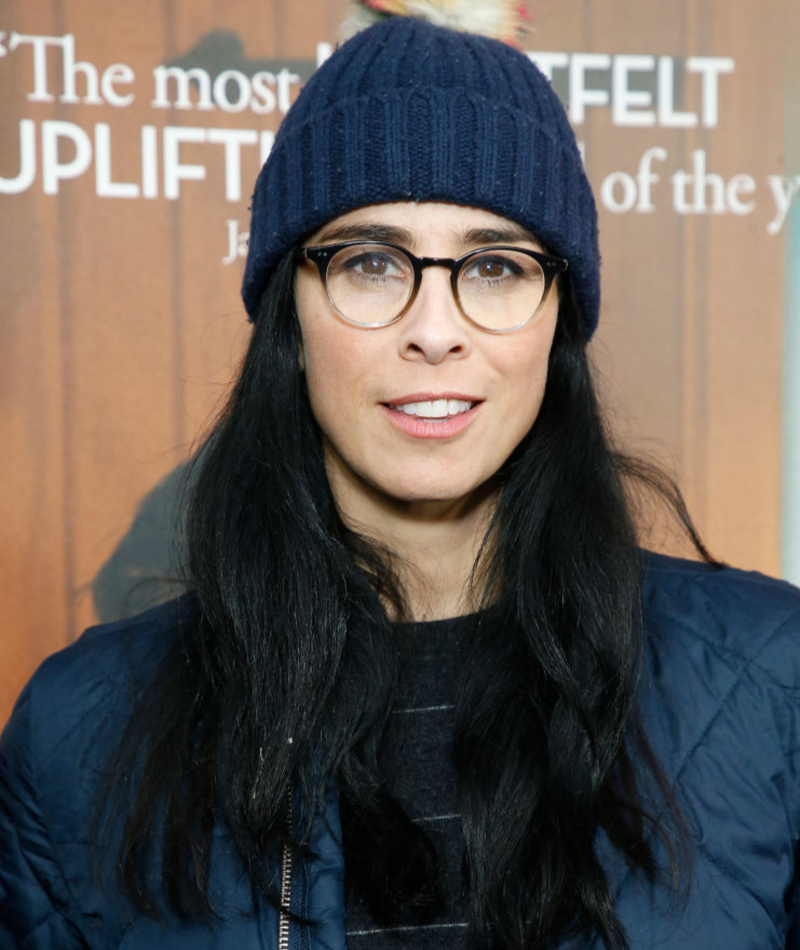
<point x="504" y="20"/>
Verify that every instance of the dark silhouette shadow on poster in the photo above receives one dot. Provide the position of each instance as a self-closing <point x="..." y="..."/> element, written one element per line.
<point x="221" y="50"/>
<point x="144" y="569"/>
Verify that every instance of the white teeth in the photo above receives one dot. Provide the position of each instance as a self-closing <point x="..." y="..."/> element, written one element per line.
<point x="435" y="408"/>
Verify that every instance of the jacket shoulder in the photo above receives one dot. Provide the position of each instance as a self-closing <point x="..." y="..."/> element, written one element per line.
<point x="745" y="616"/>
<point x="719" y="701"/>
<point x="53" y="757"/>
<point x="95" y="679"/>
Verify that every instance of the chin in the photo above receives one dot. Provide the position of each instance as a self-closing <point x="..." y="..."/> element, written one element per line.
<point x="440" y="490"/>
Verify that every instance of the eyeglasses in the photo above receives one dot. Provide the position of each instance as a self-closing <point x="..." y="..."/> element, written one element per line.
<point x="373" y="284"/>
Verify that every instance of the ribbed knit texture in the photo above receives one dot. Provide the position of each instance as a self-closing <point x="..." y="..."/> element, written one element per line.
<point x="407" y="111"/>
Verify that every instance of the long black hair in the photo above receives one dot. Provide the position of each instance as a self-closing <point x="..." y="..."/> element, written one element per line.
<point x="286" y="676"/>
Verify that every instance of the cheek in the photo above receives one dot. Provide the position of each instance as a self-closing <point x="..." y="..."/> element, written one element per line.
<point x="525" y="373"/>
<point x="324" y="348"/>
<point x="327" y="367"/>
<point x="336" y="361"/>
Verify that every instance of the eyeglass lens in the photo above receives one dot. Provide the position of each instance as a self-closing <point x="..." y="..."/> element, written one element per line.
<point x="499" y="289"/>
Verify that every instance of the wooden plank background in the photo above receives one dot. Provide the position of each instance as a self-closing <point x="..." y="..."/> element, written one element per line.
<point x="121" y="328"/>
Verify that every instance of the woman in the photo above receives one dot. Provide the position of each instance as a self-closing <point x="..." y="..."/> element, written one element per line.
<point x="425" y="690"/>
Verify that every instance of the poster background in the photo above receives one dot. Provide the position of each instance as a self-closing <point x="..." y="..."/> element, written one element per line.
<point x="121" y="327"/>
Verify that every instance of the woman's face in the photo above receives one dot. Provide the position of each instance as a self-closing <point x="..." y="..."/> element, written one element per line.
<point x="357" y="378"/>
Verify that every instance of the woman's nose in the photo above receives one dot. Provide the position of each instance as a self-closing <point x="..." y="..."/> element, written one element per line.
<point x="433" y="328"/>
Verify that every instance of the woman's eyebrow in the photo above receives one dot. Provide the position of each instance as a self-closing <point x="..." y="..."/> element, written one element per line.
<point x="472" y="237"/>
<point x="510" y="234"/>
<point x="367" y="232"/>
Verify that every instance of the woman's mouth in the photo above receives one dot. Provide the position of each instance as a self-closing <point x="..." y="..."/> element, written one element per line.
<point x="434" y="410"/>
<point x="432" y="418"/>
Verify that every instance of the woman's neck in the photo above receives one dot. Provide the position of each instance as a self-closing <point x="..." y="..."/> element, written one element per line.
<point x="436" y="542"/>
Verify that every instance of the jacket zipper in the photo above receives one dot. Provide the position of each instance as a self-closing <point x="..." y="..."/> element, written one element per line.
<point x="286" y="883"/>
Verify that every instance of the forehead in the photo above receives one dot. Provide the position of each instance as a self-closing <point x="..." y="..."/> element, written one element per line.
<point x="415" y="224"/>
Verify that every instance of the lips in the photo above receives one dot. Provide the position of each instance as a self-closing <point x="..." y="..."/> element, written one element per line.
<point x="432" y="415"/>
<point x="434" y="408"/>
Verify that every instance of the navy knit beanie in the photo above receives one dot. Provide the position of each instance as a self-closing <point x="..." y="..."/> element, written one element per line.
<point x="408" y="111"/>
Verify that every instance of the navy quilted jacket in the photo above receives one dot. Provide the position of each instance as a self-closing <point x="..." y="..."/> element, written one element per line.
<point x="721" y="703"/>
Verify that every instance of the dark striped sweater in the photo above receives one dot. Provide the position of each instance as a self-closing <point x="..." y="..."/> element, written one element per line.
<point x="422" y="779"/>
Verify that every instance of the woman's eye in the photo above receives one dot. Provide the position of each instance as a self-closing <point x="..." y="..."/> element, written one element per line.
<point x="492" y="268"/>
<point x="375" y="266"/>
